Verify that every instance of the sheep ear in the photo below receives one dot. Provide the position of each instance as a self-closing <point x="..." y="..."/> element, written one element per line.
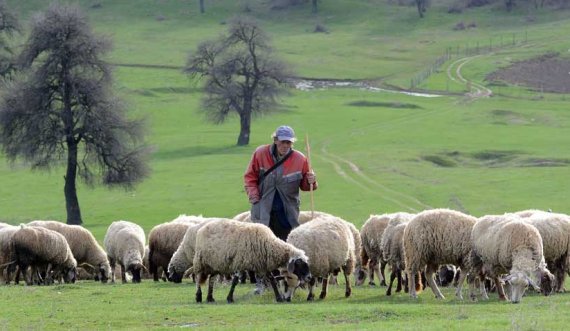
<point x="291" y="266"/>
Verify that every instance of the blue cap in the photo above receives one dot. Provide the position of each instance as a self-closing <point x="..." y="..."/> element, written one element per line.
<point x="285" y="132"/>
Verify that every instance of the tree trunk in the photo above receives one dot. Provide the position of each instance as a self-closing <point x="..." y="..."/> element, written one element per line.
<point x="314" y="10"/>
<point x="202" y="8"/>
<point x="245" y="126"/>
<point x="71" y="201"/>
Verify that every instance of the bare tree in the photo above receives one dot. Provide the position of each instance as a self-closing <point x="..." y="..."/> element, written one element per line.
<point x="61" y="109"/>
<point x="202" y="7"/>
<point x="314" y="7"/>
<point x="8" y="26"/>
<point x="241" y="74"/>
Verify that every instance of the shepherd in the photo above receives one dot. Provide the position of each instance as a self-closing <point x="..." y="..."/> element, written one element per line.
<point x="273" y="179"/>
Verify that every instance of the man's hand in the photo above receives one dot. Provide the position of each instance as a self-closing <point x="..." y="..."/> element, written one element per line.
<point x="311" y="177"/>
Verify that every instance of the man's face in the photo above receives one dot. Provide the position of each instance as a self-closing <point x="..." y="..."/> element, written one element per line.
<point x="283" y="146"/>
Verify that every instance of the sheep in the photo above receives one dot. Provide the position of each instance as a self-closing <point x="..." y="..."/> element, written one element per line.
<point x="40" y="247"/>
<point x="554" y="229"/>
<point x="183" y="257"/>
<point x="124" y="242"/>
<point x="163" y="241"/>
<point x="434" y="237"/>
<point x="329" y="245"/>
<point x="227" y="246"/>
<point x="4" y="225"/>
<point x="304" y="216"/>
<point x="371" y="252"/>
<point x="6" y="233"/>
<point x="83" y="245"/>
<point x="391" y="247"/>
<point x="506" y="244"/>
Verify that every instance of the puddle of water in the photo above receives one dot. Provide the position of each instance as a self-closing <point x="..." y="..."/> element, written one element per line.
<point x="307" y="85"/>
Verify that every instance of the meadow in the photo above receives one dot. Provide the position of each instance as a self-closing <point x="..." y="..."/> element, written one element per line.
<point x="373" y="152"/>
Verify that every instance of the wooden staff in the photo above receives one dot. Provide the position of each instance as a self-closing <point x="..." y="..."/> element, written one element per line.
<point x="308" y="148"/>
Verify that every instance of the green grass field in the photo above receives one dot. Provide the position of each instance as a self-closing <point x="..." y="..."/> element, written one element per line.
<point x="373" y="152"/>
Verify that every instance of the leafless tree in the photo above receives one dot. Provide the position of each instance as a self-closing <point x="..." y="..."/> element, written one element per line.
<point x="8" y="26"/>
<point x="61" y="110"/>
<point x="202" y="7"/>
<point x="240" y="74"/>
<point x="314" y="7"/>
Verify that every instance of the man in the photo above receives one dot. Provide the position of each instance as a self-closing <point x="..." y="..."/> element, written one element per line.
<point x="274" y="191"/>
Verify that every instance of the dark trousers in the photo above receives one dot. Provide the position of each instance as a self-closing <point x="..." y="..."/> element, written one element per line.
<point x="275" y="225"/>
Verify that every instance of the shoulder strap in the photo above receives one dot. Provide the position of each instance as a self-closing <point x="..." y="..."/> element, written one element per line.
<point x="277" y="164"/>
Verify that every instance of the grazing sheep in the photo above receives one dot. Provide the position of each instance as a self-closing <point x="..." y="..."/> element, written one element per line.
<point x="41" y="248"/>
<point x="124" y="242"/>
<point x="505" y="244"/>
<point x="391" y="247"/>
<point x="4" y="225"/>
<point x="435" y="237"/>
<point x="6" y="255"/>
<point x="243" y="217"/>
<point x="554" y="229"/>
<point x="83" y="245"/>
<point x="163" y="241"/>
<point x="227" y="246"/>
<point x="183" y="257"/>
<point x="329" y="245"/>
<point x="528" y="212"/>
<point x="371" y="252"/>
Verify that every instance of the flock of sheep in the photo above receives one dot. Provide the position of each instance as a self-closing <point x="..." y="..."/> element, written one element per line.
<point x="509" y="252"/>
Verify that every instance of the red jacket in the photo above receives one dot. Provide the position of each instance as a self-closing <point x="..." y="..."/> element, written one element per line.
<point x="288" y="178"/>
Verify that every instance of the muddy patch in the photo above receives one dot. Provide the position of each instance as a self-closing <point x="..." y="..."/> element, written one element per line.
<point x="548" y="73"/>
<point x="399" y="105"/>
<point x="492" y="159"/>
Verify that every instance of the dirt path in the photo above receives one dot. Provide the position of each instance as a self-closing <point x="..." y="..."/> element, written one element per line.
<point x="476" y="90"/>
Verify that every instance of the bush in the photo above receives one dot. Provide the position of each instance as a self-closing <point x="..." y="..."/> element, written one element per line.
<point x="459" y="26"/>
<point x="319" y="28"/>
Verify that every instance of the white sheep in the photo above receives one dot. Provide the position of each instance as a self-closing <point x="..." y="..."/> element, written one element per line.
<point x="227" y="246"/>
<point x="371" y="252"/>
<point x="391" y="247"/>
<point x="329" y="244"/>
<point x="83" y="245"/>
<point x="124" y="242"/>
<point x="6" y="254"/>
<point x="435" y="237"/>
<point x="183" y="257"/>
<point x="505" y="244"/>
<point x="41" y="248"/>
<point x="554" y="229"/>
<point x="164" y="239"/>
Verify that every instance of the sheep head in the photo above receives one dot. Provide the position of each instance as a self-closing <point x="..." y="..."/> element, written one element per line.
<point x="519" y="282"/>
<point x="135" y="270"/>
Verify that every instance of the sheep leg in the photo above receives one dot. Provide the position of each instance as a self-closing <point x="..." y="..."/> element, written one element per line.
<point x="373" y="268"/>
<point x="48" y="280"/>
<point x="311" y="295"/>
<point x="399" y="279"/>
<point x="430" y="270"/>
<point x="235" y="281"/>
<point x="123" y="273"/>
<point x="278" y="296"/>
<point x="348" y="288"/>
<point x="382" y="272"/>
<point x="392" y="277"/>
<point x="210" y="297"/>
<point x="459" y="288"/>
<point x="324" y="289"/>
<point x="500" y="289"/>
<point x="200" y="279"/>
<point x="412" y="283"/>
<point x="113" y="264"/>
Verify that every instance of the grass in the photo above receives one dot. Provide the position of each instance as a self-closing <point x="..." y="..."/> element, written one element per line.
<point x="89" y="305"/>
<point x="368" y="149"/>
